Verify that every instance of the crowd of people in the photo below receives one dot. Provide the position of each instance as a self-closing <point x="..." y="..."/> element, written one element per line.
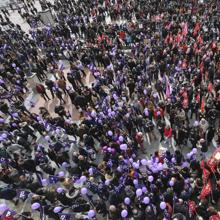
<point x="143" y="145"/>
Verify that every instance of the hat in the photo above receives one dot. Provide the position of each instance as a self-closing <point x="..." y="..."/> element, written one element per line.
<point x="108" y="177"/>
<point x="8" y="215"/>
<point x="22" y="124"/>
<point x="112" y="208"/>
<point x="178" y="216"/>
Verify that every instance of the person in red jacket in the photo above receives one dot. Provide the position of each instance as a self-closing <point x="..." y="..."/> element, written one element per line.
<point x="42" y="91"/>
<point x="140" y="140"/>
<point x="168" y="131"/>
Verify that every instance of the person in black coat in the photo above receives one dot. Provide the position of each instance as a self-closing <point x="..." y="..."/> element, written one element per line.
<point x="210" y="133"/>
<point x="50" y="85"/>
<point x="7" y="193"/>
<point x="80" y="101"/>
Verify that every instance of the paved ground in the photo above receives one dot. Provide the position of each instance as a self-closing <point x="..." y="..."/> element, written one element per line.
<point x="38" y="101"/>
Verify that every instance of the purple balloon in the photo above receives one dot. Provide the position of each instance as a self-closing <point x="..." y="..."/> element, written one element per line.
<point x="90" y="171"/>
<point x="3" y="208"/>
<point x="121" y="139"/>
<point x="154" y="169"/>
<point x="35" y="205"/>
<point x="4" y="136"/>
<point x="91" y="213"/>
<point x="138" y="192"/>
<point x="149" y="162"/>
<point x="194" y="150"/>
<point x="144" y="162"/>
<point x="146" y="112"/>
<point x="47" y="138"/>
<point x="64" y="164"/>
<point x="127" y="201"/>
<point x="123" y="147"/>
<point x="156" y="160"/>
<point x="173" y="160"/>
<point x="150" y="179"/>
<point x="93" y="114"/>
<point x="84" y="191"/>
<point x="2" y="120"/>
<point x="185" y="164"/>
<point x="131" y="160"/>
<point x="146" y="200"/>
<point x="135" y="165"/>
<point x="171" y="183"/>
<point x="15" y="115"/>
<point x="188" y="155"/>
<point x="61" y="174"/>
<point x="163" y="205"/>
<point x="160" y="166"/>
<point x="110" y="133"/>
<point x="186" y="181"/>
<point x="113" y="151"/>
<point x="83" y="179"/>
<point x="112" y="113"/>
<point x="14" y="124"/>
<point x="119" y="169"/>
<point x="135" y="181"/>
<point x="107" y="182"/>
<point x="13" y="65"/>
<point x="59" y="190"/>
<point x="57" y="209"/>
<point x="144" y="189"/>
<point x="44" y="182"/>
<point x="124" y="213"/>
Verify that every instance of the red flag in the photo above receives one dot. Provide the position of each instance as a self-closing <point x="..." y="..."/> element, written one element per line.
<point x="192" y="207"/>
<point x="185" y="103"/>
<point x="201" y="67"/>
<point x="206" y="190"/>
<point x="166" y="41"/>
<point x="214" y="217"/>
<point x="205" y="175"/>
<point x="198" y="98"/>
<point x="168" y="90"/>
<point x="210" y="87"/>
<point x="203" y="106"/>
<point x="196" y="29"/>
<point x="199" y="39"/>
<point x="202" y="164"/>
<point x="213" y="162"/>
<point x="179" y="38"/>
<point x="214" y="45"/>
<point x="194" y="47"/>
<point x="185" y="29"/>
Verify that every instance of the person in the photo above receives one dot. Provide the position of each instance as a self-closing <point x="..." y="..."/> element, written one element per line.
<point x="42" y="91"/>
<point x="62" y="85"/>
<point x="140" y="140"/>
<point x="8" y="194"/>
<point x="135" y="78"/>
<point x="168" y="132"/>
<point x="50" y="86"/>
<point x="161" y="127"/>
<point x="59" y="95"/>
